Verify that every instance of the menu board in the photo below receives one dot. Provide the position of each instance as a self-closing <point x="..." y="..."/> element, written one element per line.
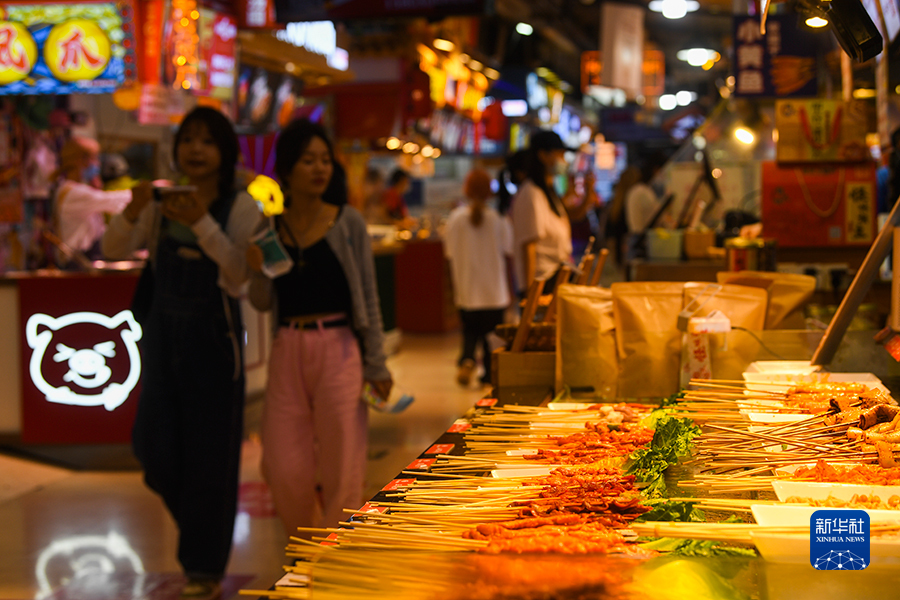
<point x="66" y="48"/>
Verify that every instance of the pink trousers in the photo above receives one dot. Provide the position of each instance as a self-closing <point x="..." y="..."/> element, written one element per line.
<point x="314" y="426"/>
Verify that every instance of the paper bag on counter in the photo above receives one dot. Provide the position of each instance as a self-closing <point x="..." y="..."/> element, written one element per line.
<point x="744" y="306"/>
<point x="647" y="337"/>
<point x="788" y="294"/>
<point x="586" y="341"/>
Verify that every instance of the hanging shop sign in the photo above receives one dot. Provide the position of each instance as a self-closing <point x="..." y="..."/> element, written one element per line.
<point x="81" y="365"/>
<point x="217" y="56"/>
<point x="821" y="131"/>
<point x="818" y="206"/>
<point x="181" y="43"/>
<point x="152" y="17"/>
<point x="781" y="63"/>
<point x="622" y="36"/>
<point x="61" y="48"/>
<point x="653" y="72"/>
<point x="319" y="37"/>
<point x="258" y="14"/>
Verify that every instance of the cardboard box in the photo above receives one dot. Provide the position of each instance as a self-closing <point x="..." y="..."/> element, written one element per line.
<point x="510" y="369"/>
<point x="697" y="243"/>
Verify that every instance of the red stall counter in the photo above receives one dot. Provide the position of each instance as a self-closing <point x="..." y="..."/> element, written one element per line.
<point x="424" y="292"/>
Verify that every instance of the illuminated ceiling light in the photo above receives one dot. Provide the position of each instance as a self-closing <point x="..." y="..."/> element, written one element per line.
<point x="410" y="148"/>
<point x="290" y="67"/>
<point x="392" y="143"/>
<point x="436" y="153"/>
<point x="492" y="73"/>
<point x="524" y="29"/>
<point x="674" y="9"/>
<point x="667" y="102"/>
<point x="186" y="84"/>
<point x="464" y="58"/>
<point x="427" y="151"/>
<point x="863" y="93"/>
<point x="744" y="135"/>
<point x="195" y="14"/>
<point x="816" y="22"/>
<point x="683" y="98"/>
<point x="185" y="22"/>
<point x="729" y="81"/>
<point x="445" y="45"/>
<point x="699" y="142"/>
<point x="475" y="65"/>
<point x="716" y="173"/>
<point x="697" y="57"/>
<point x="181" y="61"/>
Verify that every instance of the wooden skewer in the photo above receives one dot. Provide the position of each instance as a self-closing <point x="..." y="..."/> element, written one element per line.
<point x="561" y="278"/>
<point x="598" y="267"/>
<point x="531" y="304"/>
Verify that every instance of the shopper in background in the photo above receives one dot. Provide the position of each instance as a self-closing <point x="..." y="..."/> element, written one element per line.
<point x="372" y="192"/>
<point x="512" y="175"/>
<point x="188" y="428"/>
<point x="542" y="235"/>
<point x="329" y="341"/>
<point x="393" y="202"/>
<point x="478" y="243"/>
<point x="616" y="225"/>
<point x="641" y="204"/>
<point x="80" y="205"/>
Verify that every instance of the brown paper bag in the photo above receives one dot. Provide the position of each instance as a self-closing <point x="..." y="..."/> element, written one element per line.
<point x="647" y="337"/>
<point x="788" y="294"/>
<point x="744" y="306"/>
<point x="586" y="341"/>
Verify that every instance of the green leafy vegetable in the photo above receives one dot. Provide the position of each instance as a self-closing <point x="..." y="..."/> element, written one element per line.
<point x="668" y="510"/>
<point x="671" y="440"/>
<point x="681" y="547"/>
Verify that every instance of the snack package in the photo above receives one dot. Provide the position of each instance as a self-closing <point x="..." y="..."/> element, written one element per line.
<point x="788" y="294"/>
<point x="276" y="260"/>
<point x="586" y="359"/>
<point x="647" y="338"/>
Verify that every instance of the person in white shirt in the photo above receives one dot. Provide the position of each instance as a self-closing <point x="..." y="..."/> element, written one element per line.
<point x="478" y="244"/>
<point x="80" y="206"/>
<point x="641" y="204"/>
<point x="542" y="234"/>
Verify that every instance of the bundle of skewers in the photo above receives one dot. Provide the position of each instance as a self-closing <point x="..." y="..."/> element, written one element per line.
<point x="840" y="423"/>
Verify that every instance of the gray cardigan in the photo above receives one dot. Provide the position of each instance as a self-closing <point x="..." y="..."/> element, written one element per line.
<point x="350" y="242"/>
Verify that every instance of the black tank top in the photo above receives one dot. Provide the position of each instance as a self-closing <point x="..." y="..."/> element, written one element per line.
<point x="315" y="285"/>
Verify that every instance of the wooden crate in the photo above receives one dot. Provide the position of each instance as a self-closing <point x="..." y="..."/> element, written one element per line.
<point x="510" y="369"/>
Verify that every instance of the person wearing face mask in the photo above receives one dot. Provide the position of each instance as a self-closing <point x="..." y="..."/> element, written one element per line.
<point x="79" y="205"/>
<point x="542" y="233"/>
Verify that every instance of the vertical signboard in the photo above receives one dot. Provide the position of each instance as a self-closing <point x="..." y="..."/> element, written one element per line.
<point x="622" y="36"/>
<point x="81" y="365"/>
<point x="781" y="63"/>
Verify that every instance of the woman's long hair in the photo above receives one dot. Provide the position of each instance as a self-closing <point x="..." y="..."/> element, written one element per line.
<point x="511" y="174"/>
<point x="222" y="131"/>
<point x="478" y="189"/>
<point x="537" y="173"/>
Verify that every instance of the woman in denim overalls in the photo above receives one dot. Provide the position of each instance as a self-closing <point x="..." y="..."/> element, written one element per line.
<point x="188" y="429"/>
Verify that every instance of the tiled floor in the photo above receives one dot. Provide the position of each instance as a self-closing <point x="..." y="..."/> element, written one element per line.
<point x="102" y="535"/>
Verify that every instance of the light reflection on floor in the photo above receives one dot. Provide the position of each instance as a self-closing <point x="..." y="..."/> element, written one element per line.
<point x="68" y="534"/>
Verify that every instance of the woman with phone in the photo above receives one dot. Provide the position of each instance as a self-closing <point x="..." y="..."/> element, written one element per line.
<point x="189" y="423"/>
<point x="328" y="343"/>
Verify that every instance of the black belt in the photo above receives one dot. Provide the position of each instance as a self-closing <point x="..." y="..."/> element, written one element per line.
<point x="316" y="324"/>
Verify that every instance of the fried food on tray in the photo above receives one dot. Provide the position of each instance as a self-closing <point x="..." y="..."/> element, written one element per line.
<point x="565" y="534"/>
<point x="598" y="442"/>
<point x="859" y="474"/>
<point x="856" y="501"/>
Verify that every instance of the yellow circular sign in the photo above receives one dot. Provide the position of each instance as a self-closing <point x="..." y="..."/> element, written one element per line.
<point x="76" y="50"/>
<point x="18" y="52"/>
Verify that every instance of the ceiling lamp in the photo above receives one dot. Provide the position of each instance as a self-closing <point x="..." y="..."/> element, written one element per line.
<point x="698" y="57"/>
<point x="667" y="102"/>
<point x="816" y="22"/>
<point x="492" y="73"/>
<point x="674" y="9"/>
<point x="744" y="135"/>
<point x="524" y="29"/>
<point x="445" y="45"/>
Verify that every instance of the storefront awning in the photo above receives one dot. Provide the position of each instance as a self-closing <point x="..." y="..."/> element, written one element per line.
<point x="263" y="49"/>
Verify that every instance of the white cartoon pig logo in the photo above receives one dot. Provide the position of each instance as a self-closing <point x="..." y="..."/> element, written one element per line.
<point x="88" y="367"/>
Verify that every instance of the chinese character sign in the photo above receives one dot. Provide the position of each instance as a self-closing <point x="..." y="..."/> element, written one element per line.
<point x="780" y="63"/>
<point x="66" y="48"/>
<point x="839" y="540"/>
